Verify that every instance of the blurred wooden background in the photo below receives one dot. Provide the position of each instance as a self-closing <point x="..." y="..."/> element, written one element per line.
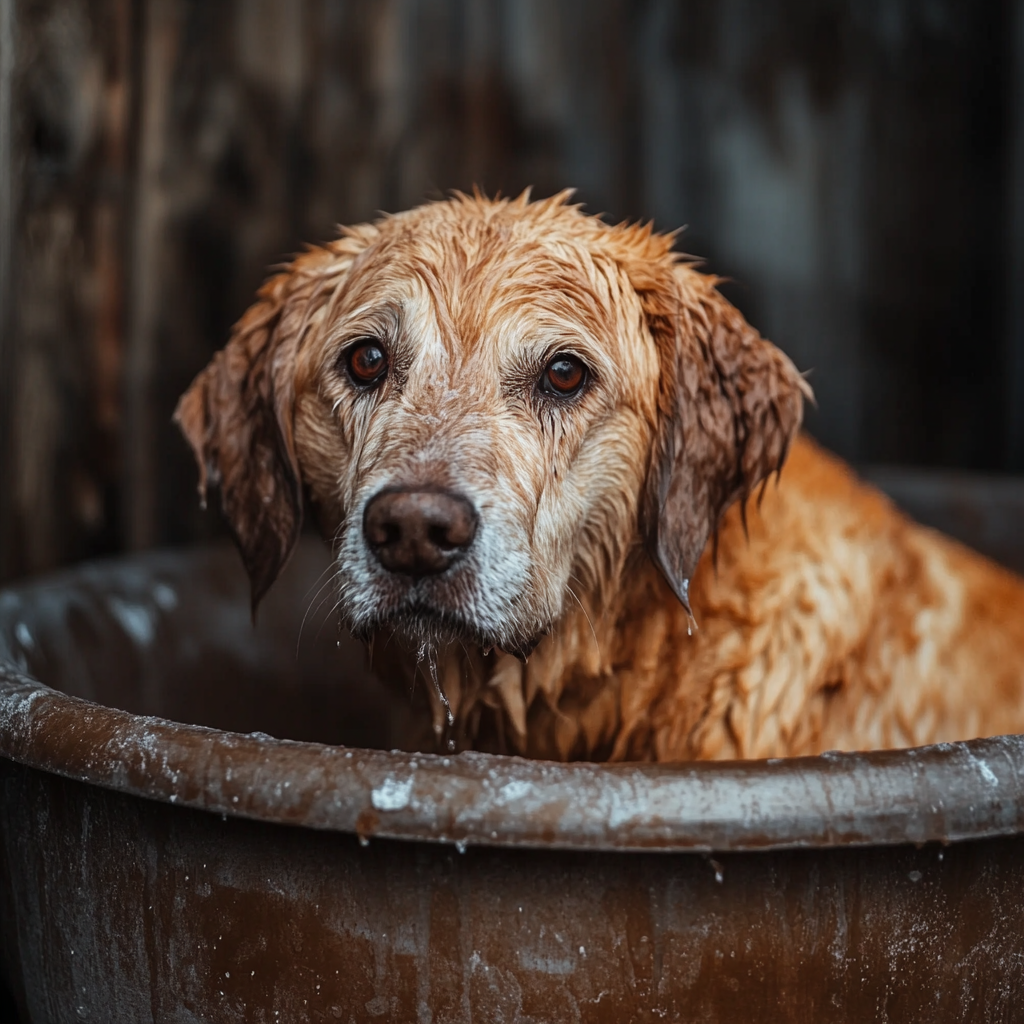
<point x="854" y="165"/>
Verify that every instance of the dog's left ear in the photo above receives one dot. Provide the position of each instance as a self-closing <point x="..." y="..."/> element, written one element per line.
<point x="730" y="404"/>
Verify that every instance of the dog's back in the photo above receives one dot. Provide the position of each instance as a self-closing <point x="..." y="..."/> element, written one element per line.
<point x="841" y="624"/>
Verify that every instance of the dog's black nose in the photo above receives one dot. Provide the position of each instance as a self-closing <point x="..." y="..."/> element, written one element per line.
<point x="418" y="533"/>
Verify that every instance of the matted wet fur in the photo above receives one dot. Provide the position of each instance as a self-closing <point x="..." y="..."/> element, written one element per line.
<point x="560" y="628"/>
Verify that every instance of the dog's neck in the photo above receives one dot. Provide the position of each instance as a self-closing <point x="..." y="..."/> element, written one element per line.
<point x="582" y="692"/>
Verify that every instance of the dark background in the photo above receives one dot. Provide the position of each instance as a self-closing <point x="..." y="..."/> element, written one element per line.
<point x="856" y="167"/>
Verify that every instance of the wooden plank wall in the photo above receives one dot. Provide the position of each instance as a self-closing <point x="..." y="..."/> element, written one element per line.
<point x="853" y="166"/>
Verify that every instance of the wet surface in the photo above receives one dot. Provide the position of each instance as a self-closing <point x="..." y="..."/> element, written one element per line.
<point x="128" y="912"/>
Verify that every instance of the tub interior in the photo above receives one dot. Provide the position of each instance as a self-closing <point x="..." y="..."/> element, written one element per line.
<point x="171" y="635"/>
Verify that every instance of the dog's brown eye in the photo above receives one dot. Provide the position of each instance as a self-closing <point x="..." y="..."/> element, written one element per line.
<point x="367" y="362"/>
<point x="563" y="376"/>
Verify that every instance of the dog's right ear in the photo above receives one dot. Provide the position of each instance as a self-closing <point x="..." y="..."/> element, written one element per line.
<point x="237" y="417"/>
<point x="238" y="413"/>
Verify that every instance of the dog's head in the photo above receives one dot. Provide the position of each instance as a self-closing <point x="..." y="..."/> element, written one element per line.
<point x="490" y="404"/>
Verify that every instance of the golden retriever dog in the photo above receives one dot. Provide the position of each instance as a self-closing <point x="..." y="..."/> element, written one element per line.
<point x="547" y="454"/>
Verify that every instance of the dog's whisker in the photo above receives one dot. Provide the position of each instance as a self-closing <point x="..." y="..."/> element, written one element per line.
<point x="309" y="607"/>
<point x="327" y="618"/>
<point x="597" y="643"/>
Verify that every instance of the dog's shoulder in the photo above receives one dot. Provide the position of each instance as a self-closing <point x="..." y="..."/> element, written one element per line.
<point x="782" y="606"/>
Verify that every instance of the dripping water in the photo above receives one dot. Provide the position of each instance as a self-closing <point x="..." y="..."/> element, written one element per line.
<point x="428" y="653"/>
<point x="691" y="622"/>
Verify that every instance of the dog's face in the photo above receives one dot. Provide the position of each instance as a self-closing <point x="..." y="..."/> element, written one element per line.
<point x="490" y="405"/>
<point x="474" y="423"/>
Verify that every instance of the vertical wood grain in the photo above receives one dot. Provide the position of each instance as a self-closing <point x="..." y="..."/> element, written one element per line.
<point x="8" y="182"/>
<point x="1014" y="395"/>
<point x="65" y="126"/>
<point x="159" y="40"/>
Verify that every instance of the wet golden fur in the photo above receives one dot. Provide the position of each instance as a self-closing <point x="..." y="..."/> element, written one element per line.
<point x="830" y="621"/>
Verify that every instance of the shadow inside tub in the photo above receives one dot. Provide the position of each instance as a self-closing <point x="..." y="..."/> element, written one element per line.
<point x="172" y="636"/>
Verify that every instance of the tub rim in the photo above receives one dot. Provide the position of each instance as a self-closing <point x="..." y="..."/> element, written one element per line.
<point x="945" y="793"/>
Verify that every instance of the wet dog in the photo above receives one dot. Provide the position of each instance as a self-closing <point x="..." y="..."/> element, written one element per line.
<point x="547" y="454"/>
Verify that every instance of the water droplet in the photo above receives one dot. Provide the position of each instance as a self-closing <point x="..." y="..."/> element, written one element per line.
<point x="460" y="845"/>
<point x="684" y="596"/>
<point x="429" y="654"/>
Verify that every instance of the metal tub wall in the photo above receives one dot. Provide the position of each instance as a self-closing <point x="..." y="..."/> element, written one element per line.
<point x="153" y="871"/>
<point x="128" y="910"/>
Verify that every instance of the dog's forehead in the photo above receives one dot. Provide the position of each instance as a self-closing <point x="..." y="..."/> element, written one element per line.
<point x="474" y="270"/>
